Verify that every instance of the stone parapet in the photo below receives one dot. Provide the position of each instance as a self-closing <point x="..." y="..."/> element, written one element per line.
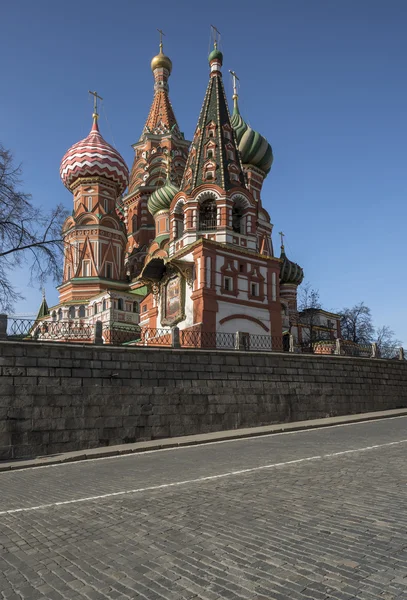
<point x="63" y="397"/>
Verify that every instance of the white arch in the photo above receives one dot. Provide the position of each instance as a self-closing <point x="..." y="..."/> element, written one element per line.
<point x="207" y="195"/>
<point x="241" y="200"/>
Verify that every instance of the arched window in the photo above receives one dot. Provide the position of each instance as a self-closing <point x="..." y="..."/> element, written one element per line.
<point x="54" y="316"/>
<point x="134" y="223"/>
<point x="104" y="304"/>
<point x="135" y="307"/>
<point x="209" y="154"/>
<point x="207" y="215"/>
<point x="59" y="314"/>
<point x="72" y="312"/>
<point x="120" y="304"/>
<point x="179" y="221"/>
<point x="237" y="218"/>
<point x="82" y="311"/>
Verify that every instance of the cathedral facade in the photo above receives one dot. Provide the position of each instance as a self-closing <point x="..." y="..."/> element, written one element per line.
<point x="182" y="239"/>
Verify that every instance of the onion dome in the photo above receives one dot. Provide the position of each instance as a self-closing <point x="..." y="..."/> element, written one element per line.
<point x="290" y="272"/>
<point x="215" y="55"/>
<point x="94" y="157"/>
<point x="161" y="61"/>
<point x="162" y="197"/>
<point x="254" y="148"/>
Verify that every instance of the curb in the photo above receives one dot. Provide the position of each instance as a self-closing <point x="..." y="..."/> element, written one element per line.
<point x="168" y="443"/>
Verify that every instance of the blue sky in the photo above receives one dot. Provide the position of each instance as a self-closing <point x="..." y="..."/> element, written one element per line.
<point x="324" y="81"/>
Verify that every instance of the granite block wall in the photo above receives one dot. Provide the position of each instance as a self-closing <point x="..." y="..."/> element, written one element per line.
<point x="62" y="397"/>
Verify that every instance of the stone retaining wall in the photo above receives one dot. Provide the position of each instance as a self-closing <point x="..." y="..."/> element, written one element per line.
<point x="62" y="397"/>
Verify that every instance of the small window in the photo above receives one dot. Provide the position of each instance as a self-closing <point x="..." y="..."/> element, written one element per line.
<point x="109" y="270"/>
<point x="211" y="133"/>
<point x="90" y="203"/>
<point x="82" y="311"/>
<point x="254" y="288"/>
<point x="210" y="154"/>
<point x="209" y="175"/>
<point x="231" y="156"/>
<point x="54" y="316"/>
<point x="86" y="268"/>
<point x="106" y="205"/>
<point x="120" y="304"/>
<point x="228" y="284"/>
<point x="145" y="308"/>
<point x="104" y="304"/>
<point x="59" y="314"/>
<point x="241" y="268"/>
<point x="135" y="307"/>
<point x="71" y="312"/>
<point x="95" y="309"/>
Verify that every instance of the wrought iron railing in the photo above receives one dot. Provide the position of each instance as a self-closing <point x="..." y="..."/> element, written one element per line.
<point x="207" y="223"/>
<point x="50" y="331"/>
<point x="121" y="333"/>
<point x="195" y="338"/>
<point x="23" y="329"/>
<point x="156" y="336"/>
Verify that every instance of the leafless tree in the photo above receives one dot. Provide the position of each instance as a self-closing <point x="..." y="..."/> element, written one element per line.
<point x="309" y="305"/>
<point x="27" y="235"/>
<point x="386" y="342"/>
<point x="356" y="324"/>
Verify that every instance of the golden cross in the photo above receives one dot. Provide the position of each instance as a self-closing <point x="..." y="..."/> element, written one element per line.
<point x="235" y="80"/>
<point x="216" y="35"/>
<point x="281" y="234"/>
<point x="95" y="102"/>
<point x="160" y="31"/>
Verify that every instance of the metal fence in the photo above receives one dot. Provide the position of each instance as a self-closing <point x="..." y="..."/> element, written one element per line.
<point x="59" y="331"/>
<point x="118" y="334"/>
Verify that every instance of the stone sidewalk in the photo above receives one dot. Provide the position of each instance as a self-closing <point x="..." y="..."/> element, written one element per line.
<point x="107" y="451"/>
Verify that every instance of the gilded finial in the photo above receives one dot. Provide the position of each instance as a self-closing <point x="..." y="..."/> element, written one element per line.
<point x="161" y="61"/>
<point x="95" y="95"/>
<point x="282" y="235"/>
<point x="216" y="36"/>
<point x="160" y="31"/>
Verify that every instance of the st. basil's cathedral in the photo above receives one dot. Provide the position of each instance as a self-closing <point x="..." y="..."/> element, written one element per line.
<point x="183" y="238"/>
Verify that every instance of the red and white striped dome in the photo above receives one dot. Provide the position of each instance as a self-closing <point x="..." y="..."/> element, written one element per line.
<point x="92" y="157"/>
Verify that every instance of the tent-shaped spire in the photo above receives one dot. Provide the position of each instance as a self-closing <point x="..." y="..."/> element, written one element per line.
<point x="213" y="156"/>
<point x="43" y="311"/>
<point x="161" y="118"/>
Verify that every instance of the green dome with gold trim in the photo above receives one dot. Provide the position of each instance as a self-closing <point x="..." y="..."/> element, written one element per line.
<point x="162" y="197"/>
<point x="290" y="272"/>
<point x="215" y="54"/>
<point x="254" y="148"/>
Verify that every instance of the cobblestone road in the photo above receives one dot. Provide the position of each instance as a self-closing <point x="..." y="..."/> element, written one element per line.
<point x="308" y="515"/>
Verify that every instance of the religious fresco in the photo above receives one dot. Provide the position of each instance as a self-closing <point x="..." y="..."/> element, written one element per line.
<point x="173" y="300"/>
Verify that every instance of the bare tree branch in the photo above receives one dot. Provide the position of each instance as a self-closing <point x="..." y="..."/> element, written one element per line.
<point x="27" y="235"/>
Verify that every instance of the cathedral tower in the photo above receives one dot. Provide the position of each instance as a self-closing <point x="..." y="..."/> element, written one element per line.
<point x="161" y="138"/>
<point x="94" y="236"/>
<point x="220" y="273"/>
